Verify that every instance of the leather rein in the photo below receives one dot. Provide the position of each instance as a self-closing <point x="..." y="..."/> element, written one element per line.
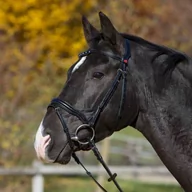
<point x="90" y="124"/>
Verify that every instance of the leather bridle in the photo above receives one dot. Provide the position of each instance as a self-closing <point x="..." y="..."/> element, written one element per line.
<point x="90" y="124"/>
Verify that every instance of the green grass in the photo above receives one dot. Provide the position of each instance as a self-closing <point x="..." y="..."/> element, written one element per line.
<point x="131" y="132"/>
<point x="86" y="185"/>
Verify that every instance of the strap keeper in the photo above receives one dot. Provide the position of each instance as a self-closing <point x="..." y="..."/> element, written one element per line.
<point x="112" y="177"/>
<point x="124" y="73"/>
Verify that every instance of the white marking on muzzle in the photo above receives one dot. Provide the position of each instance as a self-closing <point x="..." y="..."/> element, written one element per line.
<point x="81" y="61"/>
<point x="41" y="143"/>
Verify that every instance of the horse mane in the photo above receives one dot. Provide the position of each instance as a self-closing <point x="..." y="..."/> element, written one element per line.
<point x="163" y="68"/>
<point x="174" y="57"/>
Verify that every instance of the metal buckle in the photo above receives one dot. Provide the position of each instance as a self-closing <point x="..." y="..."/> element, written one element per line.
<point x="81" y="127"/>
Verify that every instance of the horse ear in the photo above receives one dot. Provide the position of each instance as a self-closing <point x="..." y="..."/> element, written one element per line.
<point x="90" y="32"/>
<point x="111" y="34"/>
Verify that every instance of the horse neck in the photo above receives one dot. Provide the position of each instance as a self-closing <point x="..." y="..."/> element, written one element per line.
<point x="165" y="121"/>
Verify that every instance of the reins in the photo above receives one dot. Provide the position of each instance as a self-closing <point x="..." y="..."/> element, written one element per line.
<point x="90" y="124"/>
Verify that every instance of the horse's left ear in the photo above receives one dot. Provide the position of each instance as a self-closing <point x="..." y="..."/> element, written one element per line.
<point x="111" y="34"/>
<point x="90" y="32"/>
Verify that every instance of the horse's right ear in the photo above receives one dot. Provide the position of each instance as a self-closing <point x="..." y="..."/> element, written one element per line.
<point x="110" y="34"/>
<point x="90" y="32"/>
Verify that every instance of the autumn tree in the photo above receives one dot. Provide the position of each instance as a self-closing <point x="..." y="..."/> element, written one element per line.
<point x="38" y="41"/>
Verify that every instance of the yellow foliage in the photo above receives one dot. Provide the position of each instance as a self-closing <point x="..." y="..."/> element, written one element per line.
<point x="37" y="38"/>
<point x="56" y="23"/>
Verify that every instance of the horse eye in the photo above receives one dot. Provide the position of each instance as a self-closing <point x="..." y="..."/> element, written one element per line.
<point x="98" y="75"/>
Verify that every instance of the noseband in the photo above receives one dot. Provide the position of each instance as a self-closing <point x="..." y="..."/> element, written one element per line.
<point x="90" y="124"/>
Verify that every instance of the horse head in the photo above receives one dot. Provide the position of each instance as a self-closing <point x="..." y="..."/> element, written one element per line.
<point x="91" y="106"/>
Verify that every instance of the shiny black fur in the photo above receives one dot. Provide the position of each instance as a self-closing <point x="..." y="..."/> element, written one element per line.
<point x="158" y="102"/>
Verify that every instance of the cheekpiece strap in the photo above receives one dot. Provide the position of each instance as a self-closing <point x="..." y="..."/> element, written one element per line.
<point x="127" y="55"/>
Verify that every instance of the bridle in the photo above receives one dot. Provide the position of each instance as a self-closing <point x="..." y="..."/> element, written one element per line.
<point x="90" y="124"/>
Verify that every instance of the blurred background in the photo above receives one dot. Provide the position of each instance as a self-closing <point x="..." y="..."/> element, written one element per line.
<point x="39" y="40"/>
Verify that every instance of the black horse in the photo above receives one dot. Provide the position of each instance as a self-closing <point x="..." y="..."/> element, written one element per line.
<point x="123" y="80"/>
